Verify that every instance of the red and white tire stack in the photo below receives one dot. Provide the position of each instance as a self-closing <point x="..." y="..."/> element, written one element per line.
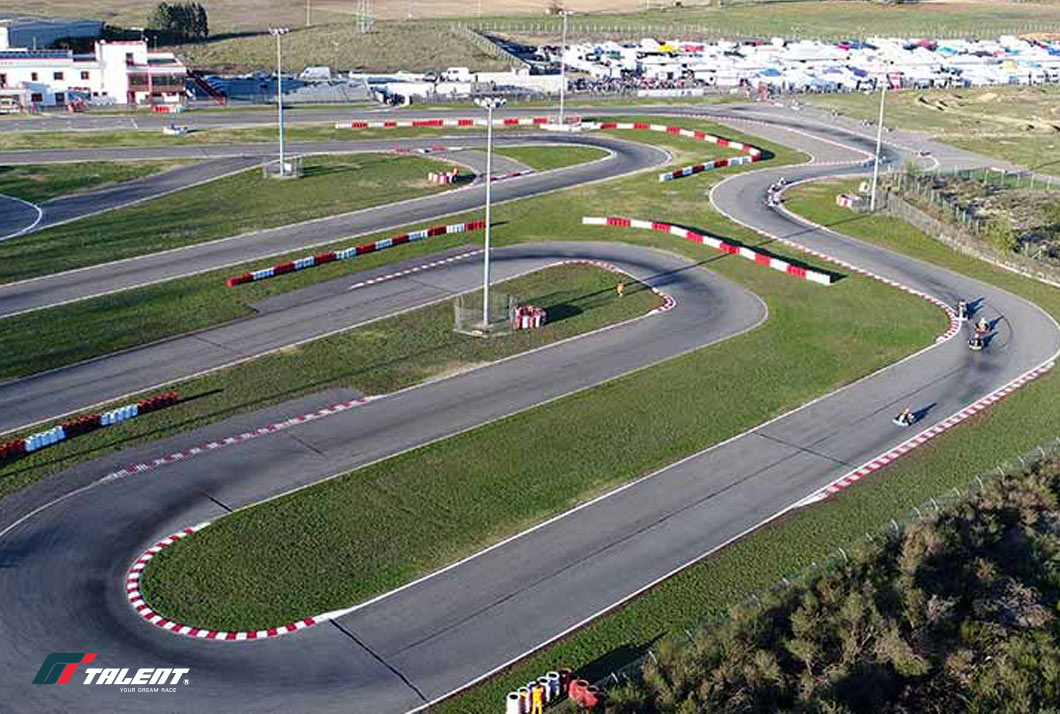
<point x="442" y="178"/>
<point x="528" y="317"/>
<point x="331" y="256"/>
<point x="83" y="425"/>
<point x="759" y="257"/>
<point x="845" y="200"/>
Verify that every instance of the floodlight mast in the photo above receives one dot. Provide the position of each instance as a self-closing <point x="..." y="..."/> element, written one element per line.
<point x="879" y="143"/>
<point x="563" y="66"/>
<point x="489" y="104"/>
<point x="278" y="32"/>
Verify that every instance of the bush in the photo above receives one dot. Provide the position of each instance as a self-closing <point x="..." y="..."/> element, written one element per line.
<point x="180" y="21"/>
<point x="959" y="614"/>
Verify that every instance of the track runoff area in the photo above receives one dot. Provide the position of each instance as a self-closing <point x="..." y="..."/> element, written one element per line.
<point x="403" y="650"/>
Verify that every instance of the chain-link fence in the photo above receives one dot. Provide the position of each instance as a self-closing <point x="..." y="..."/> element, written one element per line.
<point x="290" y="169"/>
<point x="949" y="223"/>
<point x="467" y="314"/>
<point x="892" y="529"/>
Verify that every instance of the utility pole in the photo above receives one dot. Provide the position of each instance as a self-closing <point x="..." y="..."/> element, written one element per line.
<point x="279" y="32"/>
<point x="365" y="19"/>
<point x="489" y="104"/>
<point x="879" y="143"/>
<point x="563" y="66"/>
<point x="308" y="16"/>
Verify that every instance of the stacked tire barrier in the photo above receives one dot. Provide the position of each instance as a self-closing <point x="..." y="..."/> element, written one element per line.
<point x="743" y="251"/>
<point x="442" y="178"/>
<point x="845" y="200"/>
<point x="83" y="425"/>
<point x="311" y="261"/>
<point x="540" y="693"/>
<point x="528" y="317"/>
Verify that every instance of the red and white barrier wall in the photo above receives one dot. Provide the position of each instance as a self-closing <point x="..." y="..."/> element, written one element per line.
<point x="440" y="123"/>
<point x="331" y="256"/>
<point x="743" y="251"/>
<point x="83" y="425"/>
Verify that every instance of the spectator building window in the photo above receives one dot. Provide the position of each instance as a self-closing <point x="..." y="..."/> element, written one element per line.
<point x="33" y="76"/>
<point x="84" y="74"/>
<point x="57" y="75"/>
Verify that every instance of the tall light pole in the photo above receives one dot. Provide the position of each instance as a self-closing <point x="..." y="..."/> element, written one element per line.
<point x="489" y="104"/>
<point x="563" y="66"/>
<point x="879" y="143"/>
<point x="278" y="32"/>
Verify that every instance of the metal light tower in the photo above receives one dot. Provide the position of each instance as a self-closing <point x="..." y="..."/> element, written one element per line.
<point x="563" y="66"/>
<point x="278" y="32"/>
<point x="489" y="104"/>
<point x="365" y="18"/>
<point x="879" y="143"/>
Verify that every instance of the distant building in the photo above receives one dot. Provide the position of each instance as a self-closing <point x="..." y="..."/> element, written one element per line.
<point x="116" y="73"/>
<point x="39" y="33"/>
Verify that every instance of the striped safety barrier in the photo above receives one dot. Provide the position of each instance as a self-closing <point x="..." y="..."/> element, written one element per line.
<point x="83" y="425"/>
<point x="440" y="123"/>
<point x="352" y="252"/>
<point x="743" y="251"/>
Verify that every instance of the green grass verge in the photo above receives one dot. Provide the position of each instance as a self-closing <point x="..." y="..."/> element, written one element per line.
<point x="225" y="207"/>
<point x="34" y="140"/>
<point x="1027" y="418"/>
<point x="42" y="182"/>
<point x="380" y="357"/>
<point x="546" y="158"/>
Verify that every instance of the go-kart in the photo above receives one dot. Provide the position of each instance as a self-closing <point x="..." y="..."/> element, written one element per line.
<point x="976" y="344"/>
<point x="905" y="419"/>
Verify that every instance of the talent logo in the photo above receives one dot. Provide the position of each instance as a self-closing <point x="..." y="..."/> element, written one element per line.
<point x="59" y="667"/>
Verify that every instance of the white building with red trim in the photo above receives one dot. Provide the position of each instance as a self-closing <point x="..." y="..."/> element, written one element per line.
<point x="116" y="73"/>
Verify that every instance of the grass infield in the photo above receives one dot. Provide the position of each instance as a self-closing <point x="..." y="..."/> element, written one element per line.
<point x="228" y="206"/>
<point x="42" y="182"/>
<point x="1015" y="425"/>
<point x="546" y="158"/>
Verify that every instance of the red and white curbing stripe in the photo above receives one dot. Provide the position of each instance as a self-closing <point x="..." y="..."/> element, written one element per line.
<point x="849" y="479"/>
<point x="310" y="261"/>
<point x="668" y="302"/>
<point x="238" y="439"/>
<point x="136" y="600"/>
<point x="743" y="251"/>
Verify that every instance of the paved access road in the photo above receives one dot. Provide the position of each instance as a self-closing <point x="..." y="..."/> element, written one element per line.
<point x="63" y="589"/>
<point x="626" y="157"/>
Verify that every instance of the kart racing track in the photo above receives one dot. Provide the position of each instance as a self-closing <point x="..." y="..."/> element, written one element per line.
<point x="72" y="543"/>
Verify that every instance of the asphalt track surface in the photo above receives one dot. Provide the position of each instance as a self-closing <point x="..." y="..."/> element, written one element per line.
<point x="60" y="288"/>
<point x="62" y="589"/>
